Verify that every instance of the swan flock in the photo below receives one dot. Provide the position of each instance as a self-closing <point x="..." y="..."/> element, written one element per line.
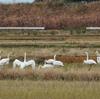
<point x="50" y="63"/>
<point x="22" y="64"/>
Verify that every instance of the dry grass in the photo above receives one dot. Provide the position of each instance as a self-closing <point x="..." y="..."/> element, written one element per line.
<point x="66" y="55"/>
<point x="72" y="81"/>
<point x="69" y="73"/>
<point x="49" y="90"/>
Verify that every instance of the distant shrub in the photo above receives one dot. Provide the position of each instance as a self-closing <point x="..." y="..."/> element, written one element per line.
<point x="53" y="14"/>
<point x="63" y="1"/>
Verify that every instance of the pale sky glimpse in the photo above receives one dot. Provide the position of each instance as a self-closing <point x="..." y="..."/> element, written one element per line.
<point x="16" y="1"/>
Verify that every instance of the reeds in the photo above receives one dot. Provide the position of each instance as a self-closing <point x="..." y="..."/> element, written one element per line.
<point x="70" y="74"/>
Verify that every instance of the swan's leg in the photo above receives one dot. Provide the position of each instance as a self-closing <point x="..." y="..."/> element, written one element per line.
<point x="22" y="66"/>
<point x="14" y="65"/>
<point x="90" y="67"/>
<point x="39" y="67"/>
<point x="33" y="66"/>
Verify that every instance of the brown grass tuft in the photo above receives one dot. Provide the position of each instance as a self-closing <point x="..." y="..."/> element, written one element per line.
<point x="72" y="74"/>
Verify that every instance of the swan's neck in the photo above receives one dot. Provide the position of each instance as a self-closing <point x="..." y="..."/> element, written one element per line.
<point x="87" y="56"/>
<point x="25" y="57"/>
<point x="54" y="57"/>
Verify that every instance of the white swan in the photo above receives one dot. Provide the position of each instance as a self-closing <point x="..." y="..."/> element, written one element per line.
<point x="54" y="62"/>
<point x="50" y="61"/>
<point x="17" y="62"/>
<point x="89" y="61"/>
<point x="4" y="61"/>
<point x="47" y="65"/>
<point x="23" y="64"/>
<point x="58" y="63"/>
<point x="98" y="57"/>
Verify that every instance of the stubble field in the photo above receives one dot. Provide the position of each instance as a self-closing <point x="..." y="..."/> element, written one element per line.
<point x="74" y="80"/>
